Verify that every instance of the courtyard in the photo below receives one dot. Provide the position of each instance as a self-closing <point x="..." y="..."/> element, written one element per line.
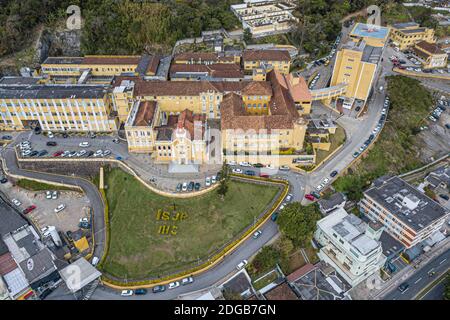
<point x="153" y="236"/>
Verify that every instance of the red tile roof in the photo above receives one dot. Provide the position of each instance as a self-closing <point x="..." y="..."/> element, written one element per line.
<point x="429" y="47"/>
<point x="216" y="70"/>
<point x="281" y="292"/>
<point x="152" y="67"/>
<point x="266" y="55"/>
<point x="297" y="274"/>
<point x="145" y="114"/>
<point x="7" y="264"/>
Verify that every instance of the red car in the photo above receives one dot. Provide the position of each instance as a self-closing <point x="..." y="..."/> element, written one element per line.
<point x="309" y="197"/>
<point x="58" y="153"/>
<point x="29" y="209"/>
<point x="264" y="175"/>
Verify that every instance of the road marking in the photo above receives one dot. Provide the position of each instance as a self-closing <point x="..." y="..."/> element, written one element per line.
<point x="417" y="280"/>
<point x="443" y="261"/>
<point x="431" y="270"/>
<point x="405" y="290"/>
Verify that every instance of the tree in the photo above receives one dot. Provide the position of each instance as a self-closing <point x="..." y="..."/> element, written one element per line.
<point x="224" y="179"/>
<point x="228" y="294"/>
<point x="266" y="259"/>
<point x="298" y="222"/>
<point x="247" y="35"/>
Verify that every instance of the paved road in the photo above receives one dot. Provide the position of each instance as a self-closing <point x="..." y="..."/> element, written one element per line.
<point x="437" y="292"/>
<point x="420" y="279"/>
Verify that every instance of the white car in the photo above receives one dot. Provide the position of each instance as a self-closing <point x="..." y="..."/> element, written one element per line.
<point x="16" y="202"/>
<point x="98" y="153"/>
<point x="282" y="206"/>
<point x="84" y="144"/>
<point x="319" y="187"/>
<point x="289" y="197"/>
<point x="26" y="152"/>
<point x="50" y="135"/>
<point x="106" y="153"/>
<point x="270" y="166"/>
<point x="60" y="208"/>
<point x="325" y="181"/>
<point x="174" y="285"/>
<point x="95" y="261"/>
<point x="213" y="179"/>
<point x="186" y="281"/>
<point x="184" y="186"/>
<point x="257" y="234"/>
<point x="126" y="293"/>
<point x="232" y="163"/>
<point x="285" y="168"/>
<point x="208" y="181"/>
<point x="65" y="153"/>
<point x="48" y="194"/>
<point x="81" y="153"/>
<point x="54" y="195"/>
<point x="244" y="164"/>
<point x="432" y="118"/>
<point x="237" y="170"/>
<point x="242" y="264"/>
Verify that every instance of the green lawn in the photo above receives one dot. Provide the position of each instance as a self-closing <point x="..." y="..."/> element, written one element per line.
<point x="39" y="186"/>
<point x="138" y="251"/>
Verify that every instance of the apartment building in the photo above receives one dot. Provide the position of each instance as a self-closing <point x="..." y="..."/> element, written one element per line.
<point x="265" y="17"/>
<point x="407" y="214"/>
<point x="356" y="65"/>
<point x="431" y="55"/>
<point x="206" y="72"/>
<point x="350" y="245"/>
<point x="405" y="35"/>
<point x="268" y="60"/>
<point x="56" y="107"/>
<point x="205" y="58"/>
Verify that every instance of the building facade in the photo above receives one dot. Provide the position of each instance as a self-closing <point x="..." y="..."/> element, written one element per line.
<point x="407" y="214"/>
<point x="350" y="245"/>
<point x="405" y="35"/>
<point x="56" y="108"/>
<point x="431" y="55"/>
<point x="279" y="60"/>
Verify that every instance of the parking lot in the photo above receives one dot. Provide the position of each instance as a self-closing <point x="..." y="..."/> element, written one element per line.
<point x="76" y="207"/>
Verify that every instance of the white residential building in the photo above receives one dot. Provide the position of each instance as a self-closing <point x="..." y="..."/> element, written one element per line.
<point x="350" y="245"/>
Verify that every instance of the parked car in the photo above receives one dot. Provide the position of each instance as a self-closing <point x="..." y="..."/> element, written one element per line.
<point x="34" y="153"/>
<point x="258" y="165"/>
<point x="257" y="234"/>
<point x="140" y="291"/>
<point x="95" y="261"/>
<point x="48" y="194"/>
<point x="285" y="168"/>
<point x="191" y="186"/>
<point x="356" y="154"/>
<point x="325" y="181"/>
<point x="187" y="280"/>
<point x="315" y="194"/>
<point x="51" y="144"/>
<point x="197" y="186"/>
<point x="116" y="140"/>
<point x="126" y="293"/>
<point x="249" y="172"/>
<point x="7" y="137"/>
<point x="444" y="196"/>
<point x="29" y="209"/>
<point x="54" y="195"/>
<point x="244" y="164"/>
<point x="236" y="170"/>
<point x="289" y="197"/>
<point x="81" y="153"/>
<point x="84" y="144"/>
<point x="242" y="264"/>
<point x="42" y="153"/>
<point x="3" y="179"/>
<point x="274" y="216"/>
<point x="184" y="187"/>
<point x="178" y="189"/>
<point x="213" y="179"/>
<point x="310" y="197"/>
<point x="90" y="153"/>
<point x="16" y="202"/>
<point x="106" y="153"/>
<point x="174" y="285"/>
<point x="60" y="208"/>
<point x="319" y="187"/>
<point x="50" y="135"/>
<point x="158" y="289"/>
<point x="208" y="181"/>
<point x="333" y="173"/>
<point x="264" y="175"/>
<point x="232" y="163"/>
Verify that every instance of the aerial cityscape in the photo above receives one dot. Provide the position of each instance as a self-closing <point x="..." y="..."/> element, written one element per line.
<point x="228" y="150"/>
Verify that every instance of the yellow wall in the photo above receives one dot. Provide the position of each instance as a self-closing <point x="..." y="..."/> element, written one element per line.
<point x="281" y="66"/>
<point x="256" y="104"/>
<point x="406" y="40"/>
